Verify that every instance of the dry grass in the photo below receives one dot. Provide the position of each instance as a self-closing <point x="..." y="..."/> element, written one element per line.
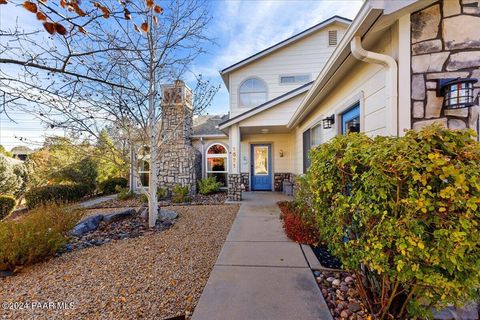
<point x="155" y="276"/>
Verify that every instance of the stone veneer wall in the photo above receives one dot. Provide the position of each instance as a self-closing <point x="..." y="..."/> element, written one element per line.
<point x="234" y="192"/>
<point x="278" y="180"/>
<point x="445" y="43"/>
<point x="180" y="162"/>
<point x="245" y="181"/>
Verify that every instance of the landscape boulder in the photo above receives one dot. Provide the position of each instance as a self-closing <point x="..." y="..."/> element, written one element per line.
<point x="165" y="215"/>
<point x="112" y="217"/>
<point x="87" y="225"/>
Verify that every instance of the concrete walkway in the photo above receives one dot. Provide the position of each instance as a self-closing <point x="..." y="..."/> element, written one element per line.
<point x="260" y="273"/>
<point x="95" y="201"/>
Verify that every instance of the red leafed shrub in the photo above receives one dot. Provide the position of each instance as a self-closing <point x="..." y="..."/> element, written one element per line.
<point x="298" y="229"/>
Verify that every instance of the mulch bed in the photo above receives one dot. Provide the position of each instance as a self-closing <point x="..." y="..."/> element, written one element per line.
<point x="341" y="295"/>
<point x="197" y="200"/>
<point x="154" y="276"/>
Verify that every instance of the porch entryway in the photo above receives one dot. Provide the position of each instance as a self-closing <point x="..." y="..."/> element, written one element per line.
<point x="261" y="167"/>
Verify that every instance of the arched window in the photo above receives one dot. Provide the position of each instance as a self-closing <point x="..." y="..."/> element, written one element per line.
<point x="253" y="92"/>
<point x="217" y="163"/>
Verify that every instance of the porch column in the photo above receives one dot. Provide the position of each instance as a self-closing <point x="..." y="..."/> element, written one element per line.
<point x="234" y="176"/>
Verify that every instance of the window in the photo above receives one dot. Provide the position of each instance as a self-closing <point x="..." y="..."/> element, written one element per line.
<point x="294" y="79"/>
<point x="217" y="163"/>
<point x="144" y="165"/>
<point x="351" y="120"/>
<point x="253" y="92"/>
<point x="332" y="37"/>
<point x="311" y="137"/>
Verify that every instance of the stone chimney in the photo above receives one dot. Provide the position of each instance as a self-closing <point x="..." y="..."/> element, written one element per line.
<point x="180" y="162"/>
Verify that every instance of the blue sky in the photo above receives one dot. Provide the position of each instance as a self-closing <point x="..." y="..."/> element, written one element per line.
<point x="239" y="28"/>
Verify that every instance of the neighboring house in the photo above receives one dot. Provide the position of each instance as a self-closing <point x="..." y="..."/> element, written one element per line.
<point x="382" y="73"/>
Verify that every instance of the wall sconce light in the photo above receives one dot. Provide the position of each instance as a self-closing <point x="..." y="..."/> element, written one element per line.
<point x="456" y="93"/>
<point x="281" y="153"/>
<point x="328" y="122"/>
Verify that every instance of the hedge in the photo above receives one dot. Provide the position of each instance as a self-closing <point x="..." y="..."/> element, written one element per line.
<point x="402" y="213"/>
<point x="109" y="186"/>
<point x="7" y="204"/>
<point x="56" y="193"/>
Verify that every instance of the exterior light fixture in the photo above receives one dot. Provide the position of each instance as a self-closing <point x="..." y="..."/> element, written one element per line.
<point x="281" y="153"/>
<point x="456" y="93"/>
<point x="328" y="122"/>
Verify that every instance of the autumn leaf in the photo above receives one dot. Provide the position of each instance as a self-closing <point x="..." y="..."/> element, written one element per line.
<point x="49" y="27"/>
<point x="127" y="14"/>
<point x="145" y="27"/>
<point x="41" y="16"/>
<point x="77" y="9"/>
<point x="106" y="12"/>
<point x="150" y="3"/>
<point x="63" y="3"/>
<point x="30" y="6"/>
<point x="82" y="30"/>
<point x="3" y="1"/>
<point x="155" y="20"/>
<point x="60" y="29"/>
<point x="158" y="9"/>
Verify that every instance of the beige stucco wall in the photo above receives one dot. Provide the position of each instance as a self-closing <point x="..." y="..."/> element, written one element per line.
<point x="306" y="56"/>
<point x="364" y="83"/>
<point x="279" y="142"/>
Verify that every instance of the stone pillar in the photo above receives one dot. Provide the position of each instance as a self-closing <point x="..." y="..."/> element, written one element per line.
<point x="234" y="175"/>
<point x="234" y="187"/>
<point x="444" y="44"/>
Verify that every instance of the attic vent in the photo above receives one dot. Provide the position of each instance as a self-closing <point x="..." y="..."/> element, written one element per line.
<point x="332" y="37"/>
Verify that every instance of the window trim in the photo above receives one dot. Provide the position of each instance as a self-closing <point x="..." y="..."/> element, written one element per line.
<point x="217" y="156"/>
<point x="358" y="98"/>
<point x="240" y="86"/>
<point x="309" y="78"/>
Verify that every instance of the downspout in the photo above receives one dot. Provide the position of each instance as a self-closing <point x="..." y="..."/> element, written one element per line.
<point x="204" y="175"/>
<point x="391" y="83"/>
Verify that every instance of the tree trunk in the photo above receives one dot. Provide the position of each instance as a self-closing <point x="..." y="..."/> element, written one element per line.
<point x="152" y="190"/>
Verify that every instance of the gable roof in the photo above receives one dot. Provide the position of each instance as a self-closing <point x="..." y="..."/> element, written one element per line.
<point x="224" y="73"/>
<point x="266" y="105"/>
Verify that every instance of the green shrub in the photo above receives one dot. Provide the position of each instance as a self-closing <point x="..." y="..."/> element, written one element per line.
<point x="56" y="193"/>
<point x="143" y="198"/>
<point x="208" y="185"/>
<point x="36" y="236"/>
<point x="180" y="194"/>
<point x="124" y="193"/>
<point x="82" y="172"/>
<point x="403" y="214"/>
<point x="108" y="186"/>
<point x="7" y="204"/>
<point x="162" y="193"/>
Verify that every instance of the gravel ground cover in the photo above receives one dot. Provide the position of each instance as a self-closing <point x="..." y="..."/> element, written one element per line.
<point x="325" y="258"/>
<point x="154" y="276"/>
<point x="341" y="295"/>
<point x="198" y="199"/>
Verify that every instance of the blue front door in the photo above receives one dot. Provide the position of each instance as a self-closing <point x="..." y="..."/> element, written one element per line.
<point x="261" y="169"/>
<point x="351" y="120"/>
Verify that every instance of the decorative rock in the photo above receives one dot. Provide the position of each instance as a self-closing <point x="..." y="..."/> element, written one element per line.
<point x="418" y="111"/>
<point x="336" y="282"/>
<point x="345" y="314"/>
<point x="463" y="60"/>
<point x="418" y="87"/>
<point x="429" y="46"/>
<point x="429" y="62"/>
<point x="434" y="105"/>
<point x="109" y="218"/>
<point x="167" y="215"/>
<point x="6" y="273"/>
<point x="463" y="112"/>
<point x="420" y="124"/>
<point x="425" y="24"/>
<point x="451" y="8"/>
<point x="343" y="288"/>
<point x="354" y="307"/>
<point x="348" y="280"/>
<point x="456" y="124"/>
<point x="465" y="37"/>
<point x="87" y="225"/>
<point x="330" y="279"/>
<point x="317" y="273"/>
<point x="444" y="75"/>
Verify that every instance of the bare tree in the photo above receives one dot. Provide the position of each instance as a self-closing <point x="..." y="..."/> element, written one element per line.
<point x="104" y="72"/>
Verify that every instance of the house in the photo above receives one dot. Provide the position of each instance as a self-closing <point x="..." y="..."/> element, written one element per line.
<point x="398" y="65"/>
